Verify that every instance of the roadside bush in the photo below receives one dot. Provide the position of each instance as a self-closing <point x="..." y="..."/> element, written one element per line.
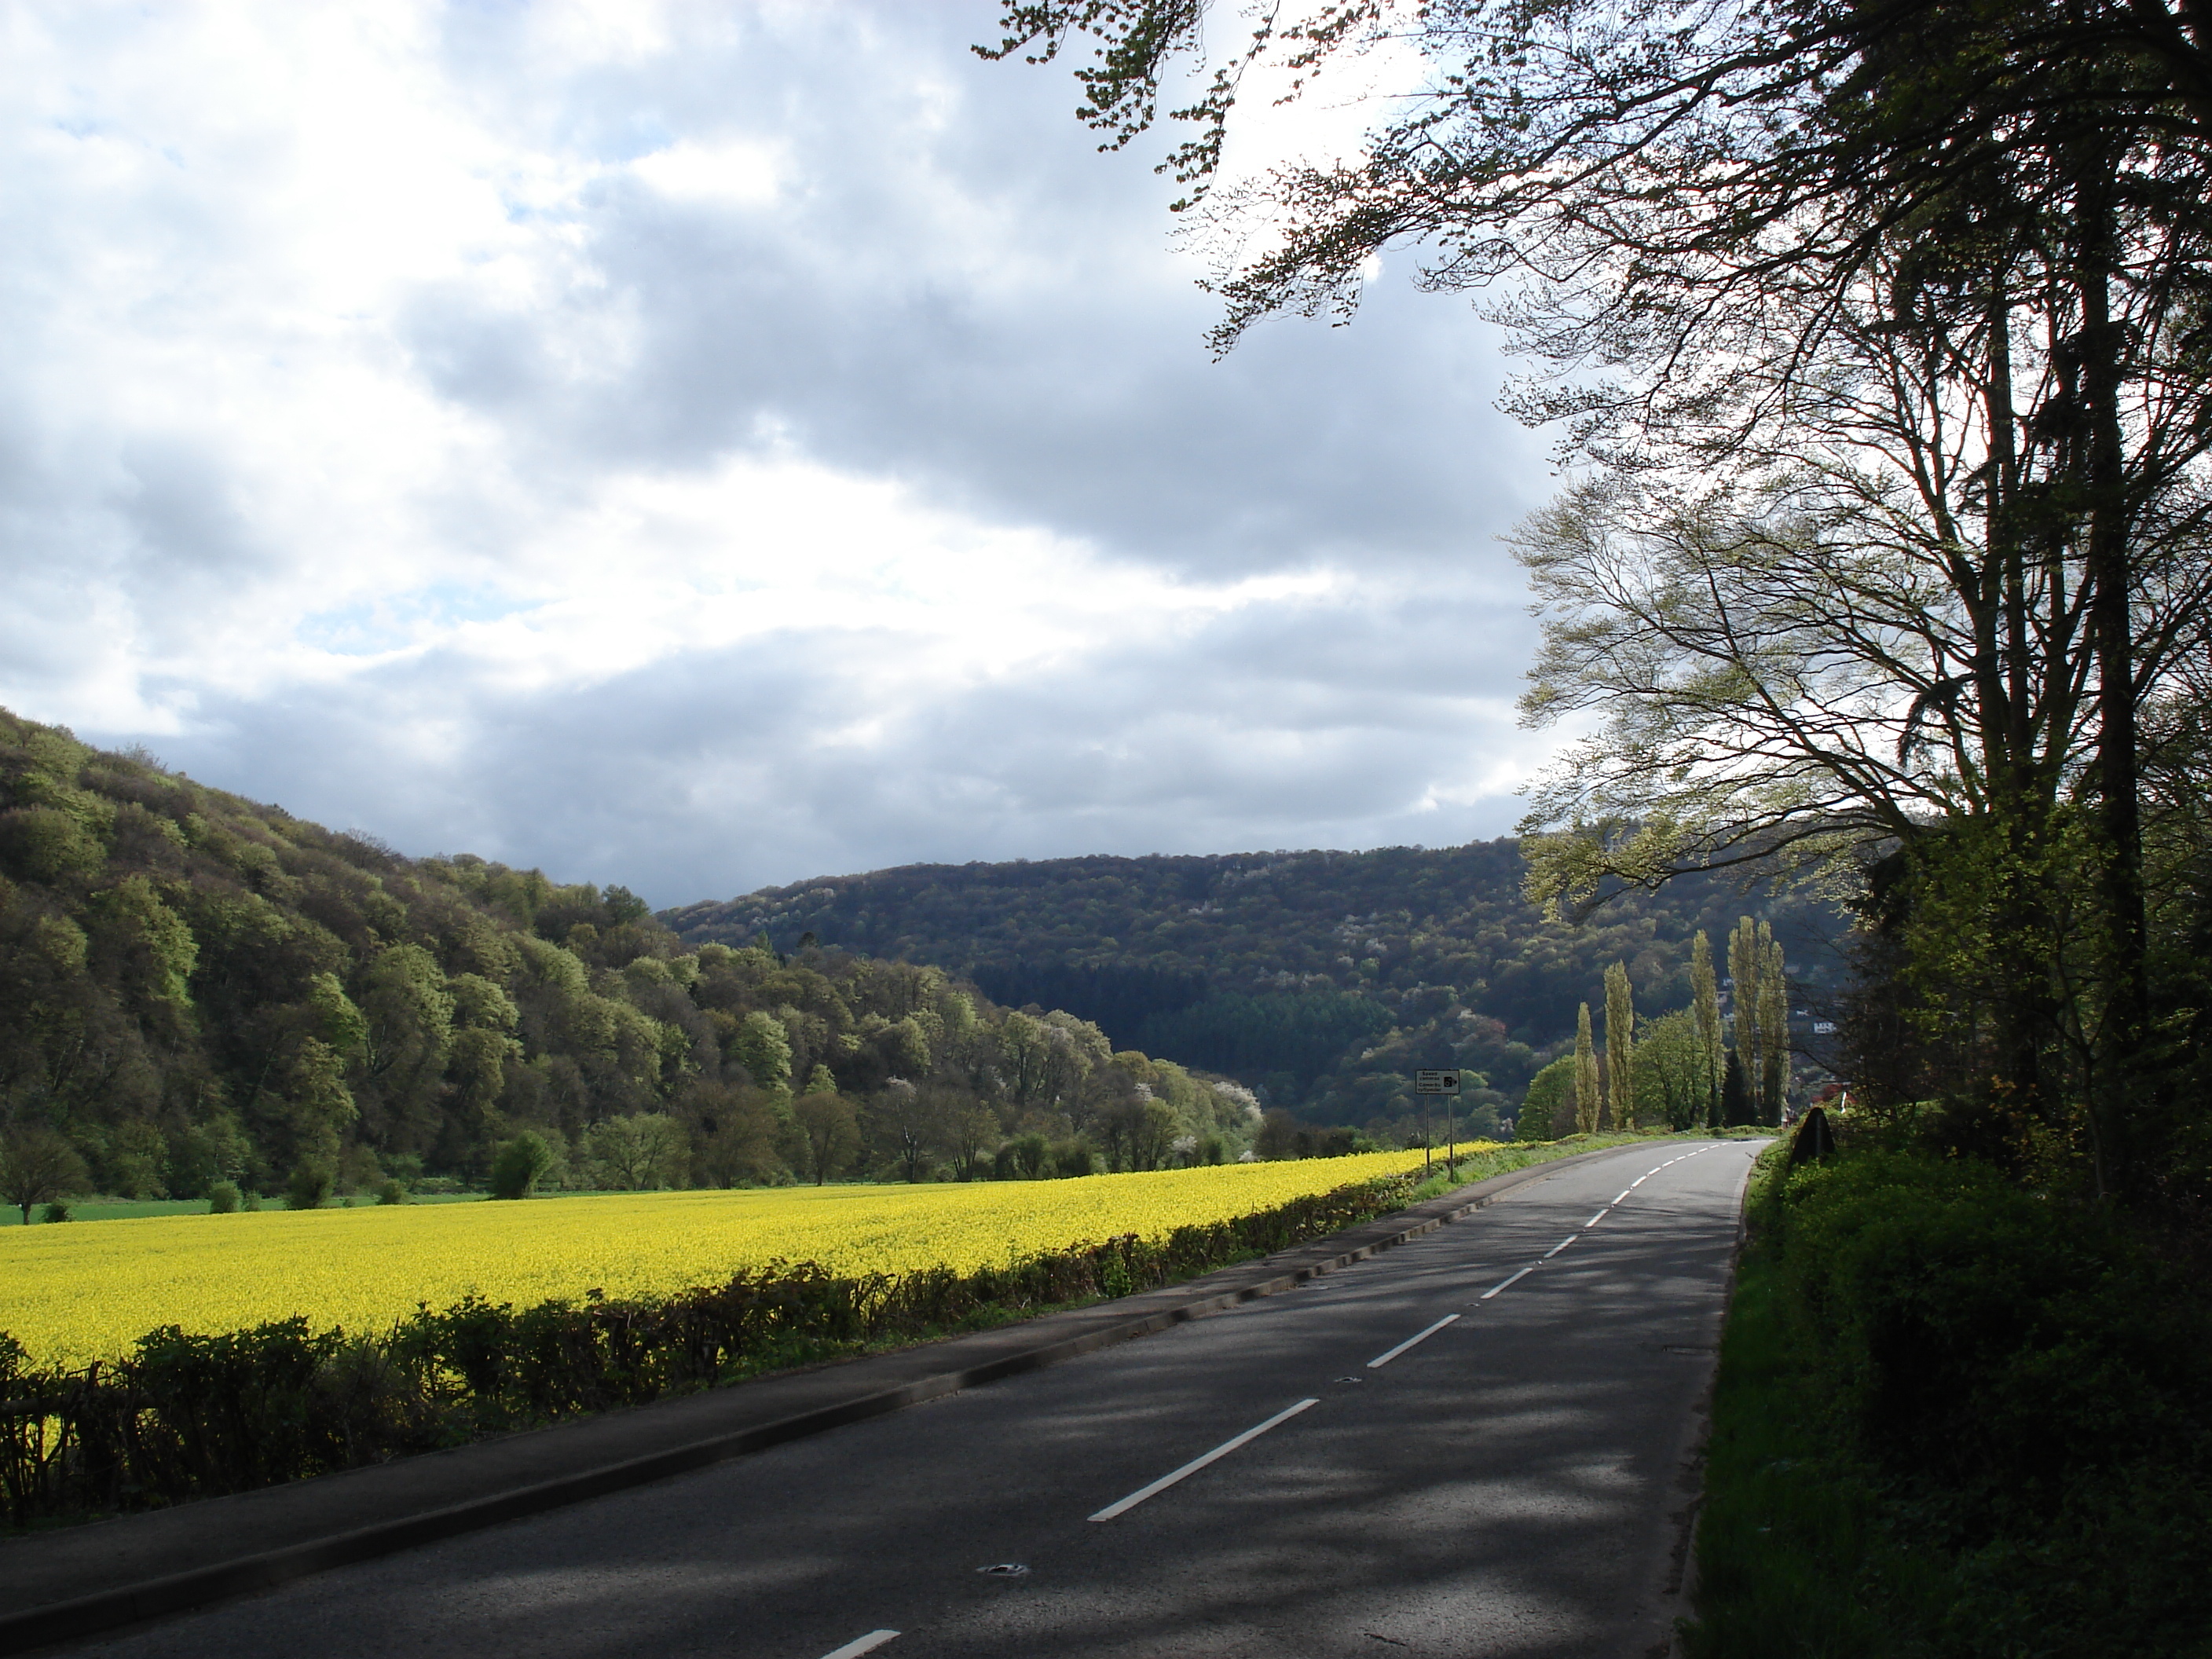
<point x="392" y="1191"/>
<point x="1963" y="1417"/>
<point x="222" y="1198"/>
<point x="1961" y="1318"/>
<point x="59" y="1210"/>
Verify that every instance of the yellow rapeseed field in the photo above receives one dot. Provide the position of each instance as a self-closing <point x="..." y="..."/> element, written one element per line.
<point x="85" y="1291"/>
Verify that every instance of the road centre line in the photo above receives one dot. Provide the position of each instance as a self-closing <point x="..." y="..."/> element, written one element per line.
<point x="1561" y="1245"/>
<point x="1639" y="1180"/>
<point x="1622" y="1194"/>
<point x="1599" y="1217"/>
<point x="1192" y="1468"/>
<point x="1381" y="1360"/>
<point x="1503" y="1283"/>
<point x="860" y="1644"/>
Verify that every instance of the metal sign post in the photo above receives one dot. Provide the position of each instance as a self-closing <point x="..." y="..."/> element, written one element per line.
<point x="1427" y="1082"/>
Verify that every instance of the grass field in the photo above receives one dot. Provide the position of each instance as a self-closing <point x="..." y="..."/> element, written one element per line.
<point x="74" y="1293"/>
<point x="137" y="1209"/>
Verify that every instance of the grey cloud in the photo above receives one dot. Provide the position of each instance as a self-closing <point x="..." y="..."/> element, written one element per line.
<point x="954" y="292"/>
<point x="1058" y="378"/>
<point x="715" y="771"/>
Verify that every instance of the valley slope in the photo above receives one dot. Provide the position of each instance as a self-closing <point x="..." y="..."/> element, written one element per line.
<point x="1323" y="977"/>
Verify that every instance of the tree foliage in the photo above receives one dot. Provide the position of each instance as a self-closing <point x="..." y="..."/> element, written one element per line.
<point x="1876" y="328"/>
<point x="195" y="990"/>
<point x="1620" y="1049"/>
<point x="1325" y="980"/>
<point x="1589" y="1091"/>
<point x="37" y="1166"/>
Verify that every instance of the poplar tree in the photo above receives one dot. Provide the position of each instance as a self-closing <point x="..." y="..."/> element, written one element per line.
<point x="1747" y="965"/>
<point x="1773" y="1030"/>
<point x="1587" y="1095"/>
<point x="1621" y="1046"/>
<point x="1705" y="1002"/>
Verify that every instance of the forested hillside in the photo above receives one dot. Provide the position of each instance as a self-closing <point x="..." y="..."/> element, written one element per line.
<point x="196" y="988"/>
<point x="1325" y="978"/>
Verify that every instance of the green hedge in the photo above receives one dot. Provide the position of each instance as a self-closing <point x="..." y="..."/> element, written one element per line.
<point x="187" y="1416"/>
<point x="1955" y="1417"/>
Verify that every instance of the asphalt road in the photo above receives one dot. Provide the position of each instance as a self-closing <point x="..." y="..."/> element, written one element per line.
<point x="1476" y="1443"/>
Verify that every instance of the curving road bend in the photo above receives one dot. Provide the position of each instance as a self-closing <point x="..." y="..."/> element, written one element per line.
<point x="1476" y="1443"/>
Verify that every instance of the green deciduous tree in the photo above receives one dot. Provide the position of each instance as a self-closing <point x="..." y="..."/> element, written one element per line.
<point x="763" y="1047"/>
<point x="968" y="1131"/>
<point x="827" y="1134"/>
<point x="1880" y="321"/>
<point x="1773" y="1033"/>
<point x="734" y="1131"/>
<point x="1673" y="1080"/>
<point x="36" y="1166"/>
<point x="1550" y="1099"/>
<point x="310" y="1187"/>
<point x="638" y="1153"/>
<point x="904" y="1127"/>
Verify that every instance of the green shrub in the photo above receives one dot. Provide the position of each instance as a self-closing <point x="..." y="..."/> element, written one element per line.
<point x="1962" y="1418"/>
<point x="59" y="1210"/>
<point x="248" y="1199"/>
<point x="1959" y="1318"/>
<point x="392" y="1193"/>
<point x="1074" y="1158"/>
<point x="309" y="1188"/>
<point x="517" y="1165"/>
<point x="222" y="1198"/>
<point x="1031" y="1155"/>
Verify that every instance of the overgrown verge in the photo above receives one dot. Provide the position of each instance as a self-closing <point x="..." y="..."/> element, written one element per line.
<point x="1953" y="1418"/>
<point x="186" y="1416"/>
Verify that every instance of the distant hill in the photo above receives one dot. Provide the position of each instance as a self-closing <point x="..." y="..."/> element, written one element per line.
<point x="198" y="988"/>
<point x="1324" y="977"/>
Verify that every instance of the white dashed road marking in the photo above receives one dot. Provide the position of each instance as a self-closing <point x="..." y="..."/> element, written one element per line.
<point x="1197" y="1463"/>
<point x="1381" y="1359"/>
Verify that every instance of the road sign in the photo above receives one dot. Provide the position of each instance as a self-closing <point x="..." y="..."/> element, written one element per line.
<point x="1436" y="1083"/>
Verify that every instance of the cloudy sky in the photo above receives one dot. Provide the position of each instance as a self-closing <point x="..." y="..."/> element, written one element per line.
<point x="703" y="447"/>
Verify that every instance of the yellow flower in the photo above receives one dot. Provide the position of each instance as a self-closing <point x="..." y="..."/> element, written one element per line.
<point x="82" y="1292"/>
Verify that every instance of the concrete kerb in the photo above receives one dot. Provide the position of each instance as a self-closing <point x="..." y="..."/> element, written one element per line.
<point x="36" y="1616"/>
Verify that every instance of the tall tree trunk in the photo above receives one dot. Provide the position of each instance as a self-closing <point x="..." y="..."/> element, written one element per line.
<point x="2108" y="570"/>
